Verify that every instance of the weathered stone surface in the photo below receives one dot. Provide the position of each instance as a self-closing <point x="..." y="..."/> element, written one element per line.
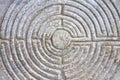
<point x="59" y="40"/>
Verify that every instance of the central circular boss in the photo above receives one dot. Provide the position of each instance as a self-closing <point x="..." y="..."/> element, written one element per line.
<point x="61" y="39"/>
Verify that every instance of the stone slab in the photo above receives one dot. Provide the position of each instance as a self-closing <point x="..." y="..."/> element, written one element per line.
<point x="59" y="40"/>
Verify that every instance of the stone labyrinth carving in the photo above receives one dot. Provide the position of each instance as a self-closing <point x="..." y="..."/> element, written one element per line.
<point x="61" y="40"/>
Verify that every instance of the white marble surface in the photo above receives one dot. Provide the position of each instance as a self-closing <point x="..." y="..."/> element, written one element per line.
<point x="59" y="40"/>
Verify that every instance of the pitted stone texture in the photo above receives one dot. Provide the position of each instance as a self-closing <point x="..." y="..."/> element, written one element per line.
<point x="60" y="40"/>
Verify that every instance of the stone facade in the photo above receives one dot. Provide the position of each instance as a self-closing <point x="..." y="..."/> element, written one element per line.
<point x="59" y="39"/>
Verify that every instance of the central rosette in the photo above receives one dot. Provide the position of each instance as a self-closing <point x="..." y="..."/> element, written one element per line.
<point x="61" y="39"/>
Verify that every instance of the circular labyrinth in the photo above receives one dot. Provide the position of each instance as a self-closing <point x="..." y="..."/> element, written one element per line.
<point x="61" y="40"/>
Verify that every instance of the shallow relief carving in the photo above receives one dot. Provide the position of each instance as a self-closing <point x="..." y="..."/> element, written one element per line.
<point x="61" y="40"/>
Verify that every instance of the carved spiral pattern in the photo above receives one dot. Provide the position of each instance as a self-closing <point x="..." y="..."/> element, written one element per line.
<point x="61" y="40"/>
